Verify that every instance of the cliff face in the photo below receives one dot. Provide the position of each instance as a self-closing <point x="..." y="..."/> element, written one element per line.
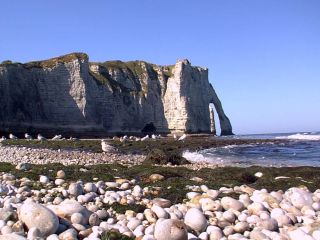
<point x="70" y="94"/>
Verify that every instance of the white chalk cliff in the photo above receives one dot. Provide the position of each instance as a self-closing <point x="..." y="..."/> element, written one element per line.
<point x="71" y="94"/>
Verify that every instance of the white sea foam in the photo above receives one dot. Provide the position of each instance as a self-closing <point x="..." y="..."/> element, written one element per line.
<point x="230" y="146"/>
<point x="195" y="157"/>
<point x="304" y="136"/>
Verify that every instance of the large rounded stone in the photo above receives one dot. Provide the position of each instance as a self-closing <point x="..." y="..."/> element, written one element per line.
<point x="6" y="214"/>
<point x="12" y="236"/>
<point x="103" y="214"/>
<point x="229" y="216"/>
<point x="6" y="230"/>
<point x="195" y="219"/>
<point x="38" y="216"/>
<point x="69" y="207"/>
<point x="70" y="234"/>
<point x="299" y="234"/>
<point x="53" y="237"/>
<point x="241" y="227"/>
<point x="90" y="187"/>
<point x="268" y="224"/>
<point x="256" y="208"/>
<point x="299" y="197"/>
<point x="215" y="234"/>
<point x="44" y="179"/>
<point x="77" y="218"/>
<point x="213" y="194"/>
<point x="34" y="233"/>
<point x="133" y="224"/>
<point x="75" y="189"/>
<point x="170" y="229"/>
<point x="283" y="220"/>
<point x="159" y="211"/>
<point x="156" y="177"/>
<point x="230" y="203"/>
<point x="207" y="204"/>
<point x="261" y="197"/>
<point x="258" y="235"/>
<point x="277" y="212"/>
<point x="61" y="174"/>
<point x="94" y="220"/>
<point x="161" y="202"/>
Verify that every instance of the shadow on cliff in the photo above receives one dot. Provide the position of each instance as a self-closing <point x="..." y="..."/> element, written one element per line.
<point x="126" y="109"/>
<point x="38" y="102"/>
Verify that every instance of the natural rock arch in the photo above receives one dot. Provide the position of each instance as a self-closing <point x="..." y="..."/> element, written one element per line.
<point x="225" y="125"/>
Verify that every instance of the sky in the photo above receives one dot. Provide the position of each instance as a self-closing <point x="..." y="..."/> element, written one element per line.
<point x="263" y="56"/>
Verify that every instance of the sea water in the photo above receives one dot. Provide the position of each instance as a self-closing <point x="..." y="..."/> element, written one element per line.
<point x="300" y="149"/>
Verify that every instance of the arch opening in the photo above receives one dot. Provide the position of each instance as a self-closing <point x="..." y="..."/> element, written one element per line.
<point x="214" y="120"/>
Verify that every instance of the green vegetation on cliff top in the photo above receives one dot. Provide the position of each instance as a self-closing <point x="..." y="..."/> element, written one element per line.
<point x="6" y="62"/>
<point x="49" y="63"/>
<point x="54" y="61"/>
<point x="135" y="67"/>
<point x="168" y="70"/>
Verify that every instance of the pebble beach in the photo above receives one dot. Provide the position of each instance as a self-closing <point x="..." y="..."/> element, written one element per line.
<point x="17" y="154"/>
<point x="55" y="207"/>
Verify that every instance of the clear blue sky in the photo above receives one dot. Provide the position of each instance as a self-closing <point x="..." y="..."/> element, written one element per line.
<point x="263" y="56"/>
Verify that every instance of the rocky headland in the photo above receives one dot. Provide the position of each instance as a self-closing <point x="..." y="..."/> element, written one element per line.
<point x="73" y="96"/>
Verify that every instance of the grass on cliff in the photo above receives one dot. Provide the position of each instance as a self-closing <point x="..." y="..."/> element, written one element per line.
<point x="54" y="61"/>
<point x="101" y="80"/>
<point x="135" y="67"/>
<point x="168" y="71"/>
<point x="6" y="62"/>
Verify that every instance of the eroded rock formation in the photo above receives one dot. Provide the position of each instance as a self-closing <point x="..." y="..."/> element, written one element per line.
<point x="71" y="94"/>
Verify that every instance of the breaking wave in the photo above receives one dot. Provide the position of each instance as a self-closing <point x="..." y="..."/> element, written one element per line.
<point x="302" y="149"/>
<point x="195" y="157"/>
<point x="303" y="136"/>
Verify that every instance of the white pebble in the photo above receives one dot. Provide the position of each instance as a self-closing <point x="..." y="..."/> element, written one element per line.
<point x="195" y="219"/>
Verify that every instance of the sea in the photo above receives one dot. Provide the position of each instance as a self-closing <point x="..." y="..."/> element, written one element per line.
<point x="300" y="149"/>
